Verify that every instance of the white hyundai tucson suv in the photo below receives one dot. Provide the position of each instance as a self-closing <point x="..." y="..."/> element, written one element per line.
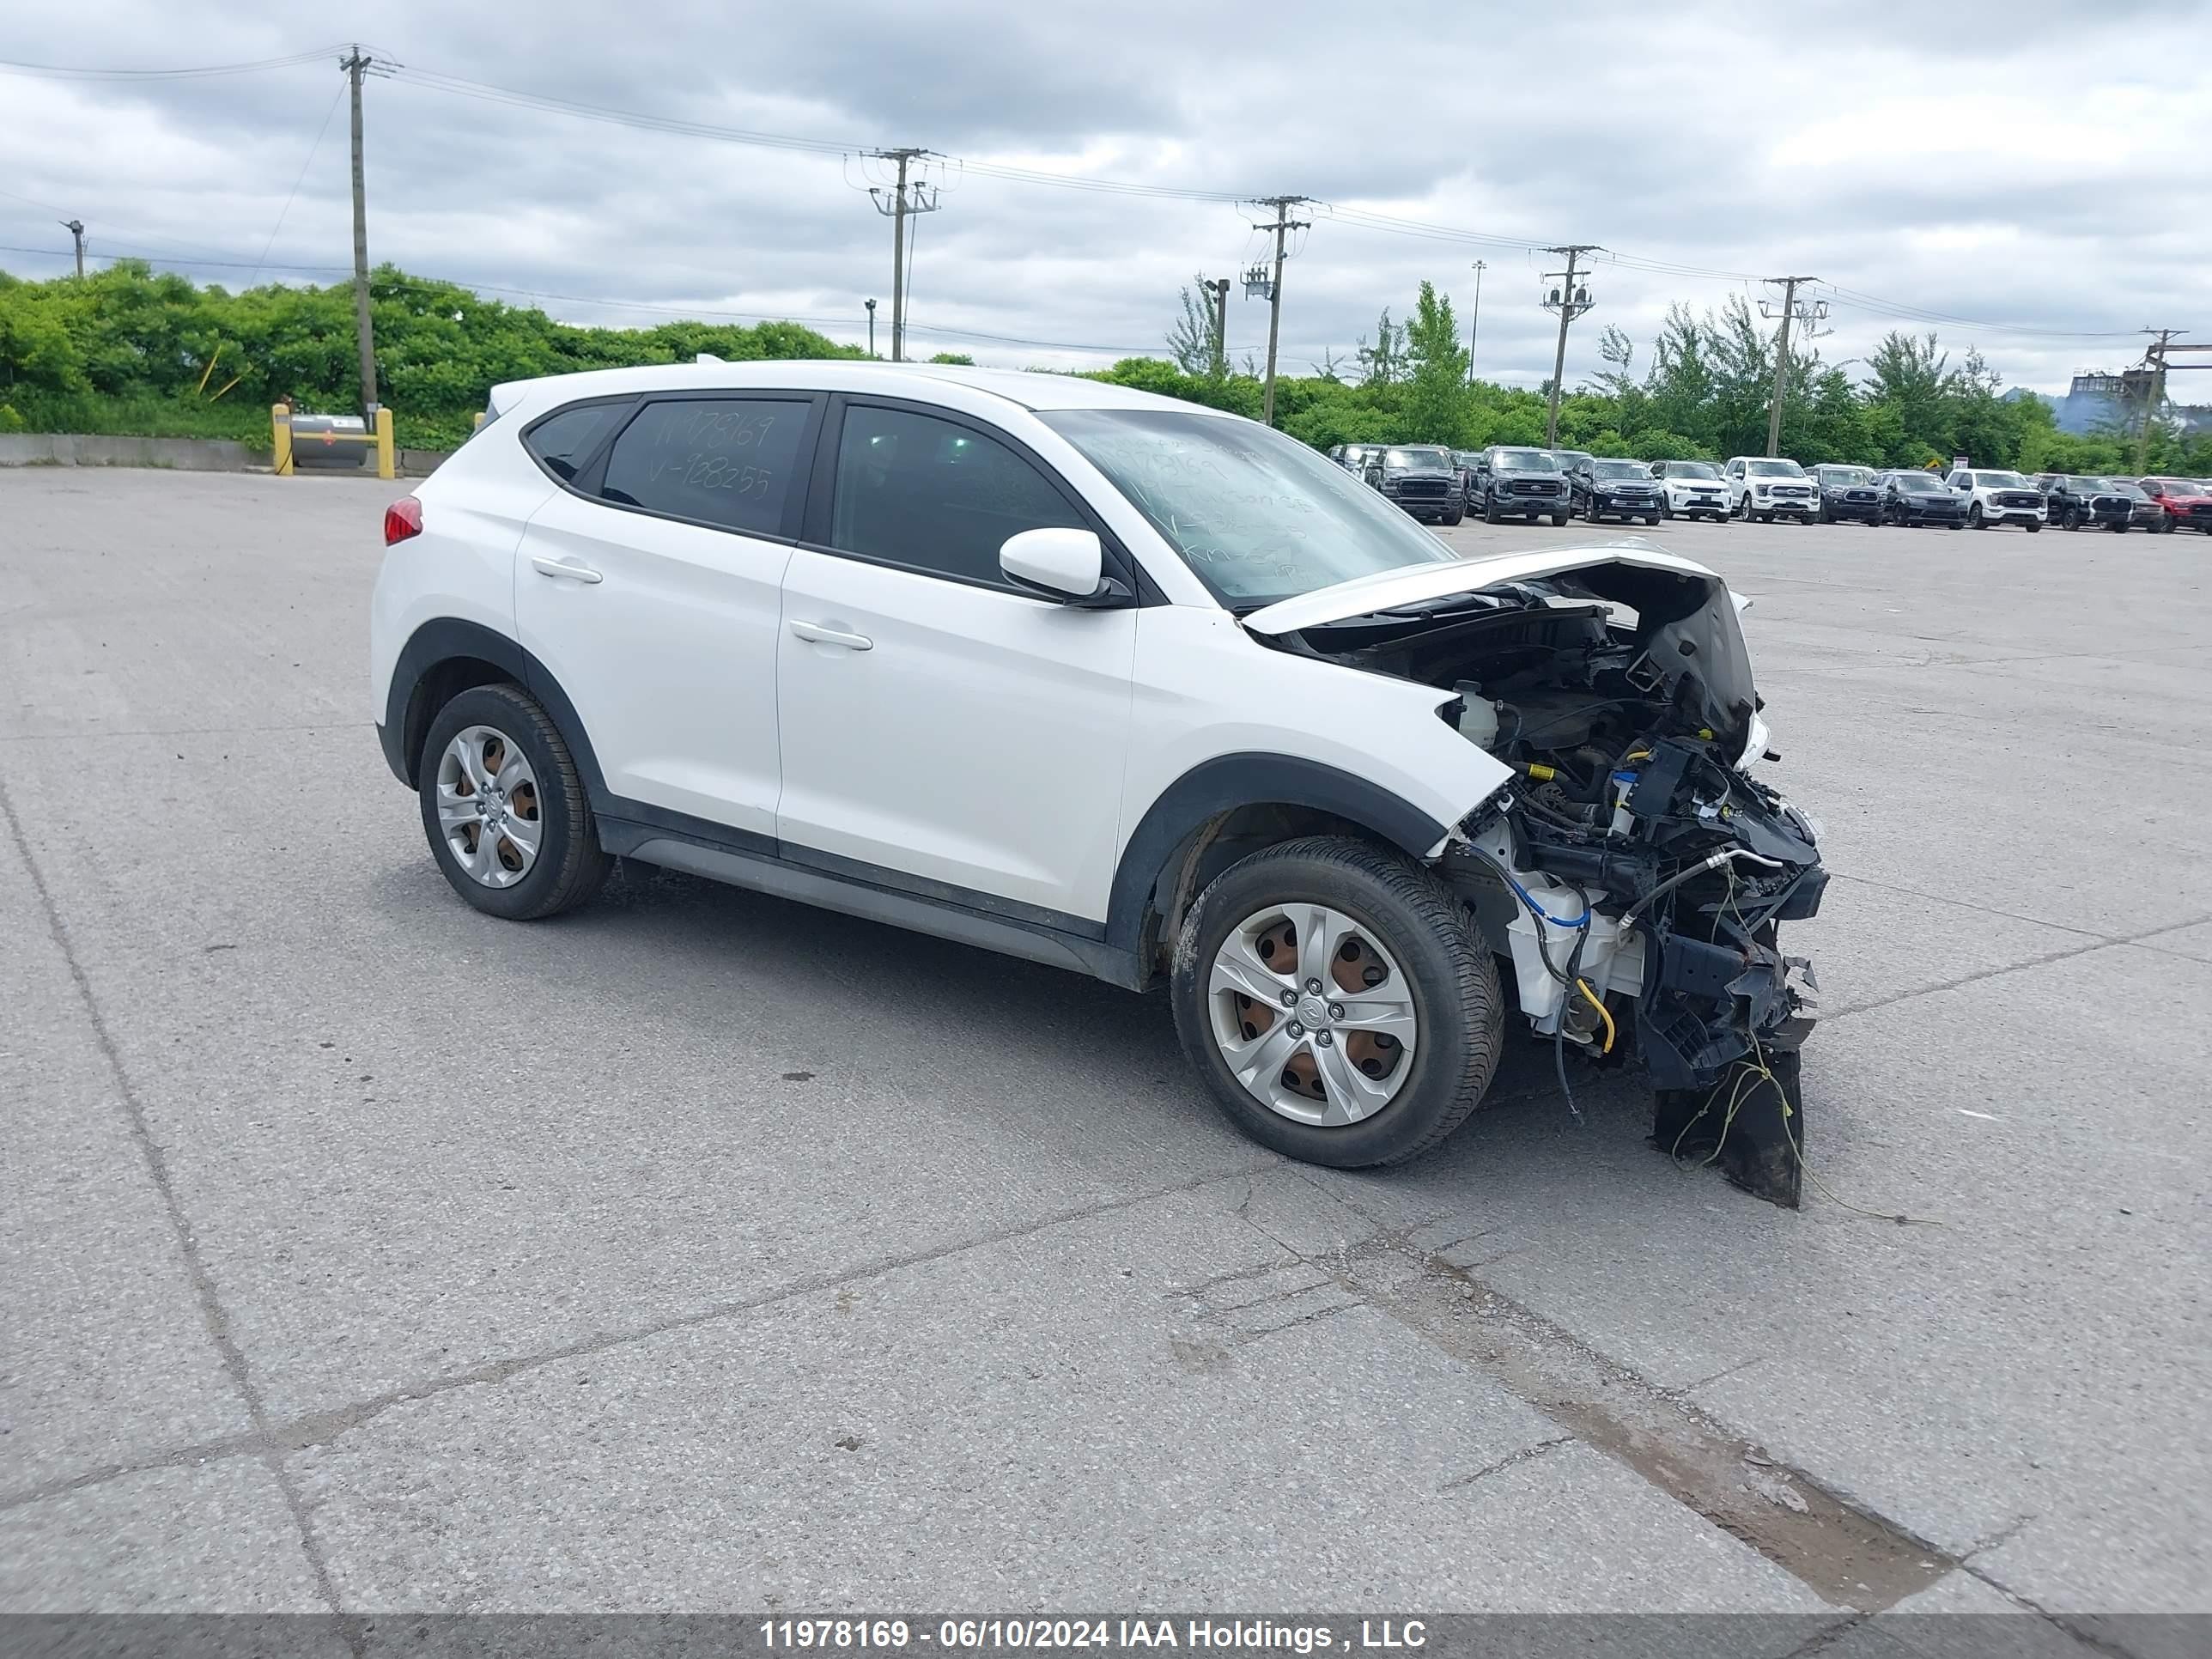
<point x="1134" y="688"/>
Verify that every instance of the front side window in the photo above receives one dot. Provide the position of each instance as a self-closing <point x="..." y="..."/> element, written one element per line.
<point x="1257" y="516"/>
<point x="721" y="461"/>
<point x="936" y="497"/>
<point x="563" y="443"/>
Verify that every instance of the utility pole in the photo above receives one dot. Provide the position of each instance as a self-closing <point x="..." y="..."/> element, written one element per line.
<point x="923" y="200"/>
<point x="2155" y="392"/>
<point x="357" y="63"/>
<point x="75" y="228"/>
<point x="1782" y="354"/>
<point x="871" y="327"/>
<point x="1570" y="302"/>
<point x="1220" y="287"/>
<point x="1258" y="282"/>
<point x="1474" y="325"/>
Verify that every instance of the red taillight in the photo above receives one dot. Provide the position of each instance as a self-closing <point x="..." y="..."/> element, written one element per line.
<point x="402" y="519"/>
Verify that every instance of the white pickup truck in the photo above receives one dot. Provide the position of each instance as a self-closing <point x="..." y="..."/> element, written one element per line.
<point x="1995" y="497"/>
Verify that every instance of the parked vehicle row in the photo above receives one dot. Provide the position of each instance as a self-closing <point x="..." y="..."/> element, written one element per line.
<point x="1439" y="485"/>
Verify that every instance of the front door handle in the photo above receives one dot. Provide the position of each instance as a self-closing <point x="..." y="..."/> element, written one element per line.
<point x="821" y="635"/>
<point x="546" y="565"/>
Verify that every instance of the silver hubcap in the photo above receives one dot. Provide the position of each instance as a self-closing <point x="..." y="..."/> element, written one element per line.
<point x="489" y="807"/>
<point x="1313" y="1017"/>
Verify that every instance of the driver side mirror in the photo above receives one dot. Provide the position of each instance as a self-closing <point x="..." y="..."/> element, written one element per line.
<point x="1061" y="563"/>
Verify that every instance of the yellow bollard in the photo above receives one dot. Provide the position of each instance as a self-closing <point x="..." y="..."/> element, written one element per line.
<point x="280" y="440"/>
<point x="385" y="469"/>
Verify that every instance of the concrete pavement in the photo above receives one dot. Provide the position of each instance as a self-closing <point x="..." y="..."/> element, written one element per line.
<point x="699" y="1251"/>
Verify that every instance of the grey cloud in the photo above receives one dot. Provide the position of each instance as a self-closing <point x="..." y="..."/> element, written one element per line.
<point x="1716" y="136"/>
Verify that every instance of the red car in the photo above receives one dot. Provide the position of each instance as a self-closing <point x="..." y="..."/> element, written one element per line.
<point x="2187" y="501"/>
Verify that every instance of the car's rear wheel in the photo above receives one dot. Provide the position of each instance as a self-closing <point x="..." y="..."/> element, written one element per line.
<point x="1338" y="1002"/>
<point x="504" y="807"/>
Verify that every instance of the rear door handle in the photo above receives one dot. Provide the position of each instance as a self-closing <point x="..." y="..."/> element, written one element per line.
<point x="821" y="635"/>
<point x="545" y="565"/>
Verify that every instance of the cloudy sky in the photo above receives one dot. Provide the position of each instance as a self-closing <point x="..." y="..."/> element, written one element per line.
<point x="2036" y="171"/>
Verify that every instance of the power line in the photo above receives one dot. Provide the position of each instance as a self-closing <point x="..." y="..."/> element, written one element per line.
<point x="65" y="72"/>
<point x="1347" y="215"/>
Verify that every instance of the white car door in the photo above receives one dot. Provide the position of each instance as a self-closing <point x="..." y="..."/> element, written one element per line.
<point x="943" y="731"/>
<point x="651" y="589"/>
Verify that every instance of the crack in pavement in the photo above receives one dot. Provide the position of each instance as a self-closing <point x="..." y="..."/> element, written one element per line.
<point x="274" y="1440"/>
<point x="213" y="1314"/>
<point x="1845" y="1553"/>
<point x="2136" y="940"/>
<point x="184" y="731"/>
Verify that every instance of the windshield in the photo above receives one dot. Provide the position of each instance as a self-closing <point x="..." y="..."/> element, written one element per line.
<point x="1619" y="470"/>
<point x="2002" y="480"/>
<point x="1843" y="475"/>
<point x="1525" y="460"/>
<point x="1417" y="460"/>
<point x="2134" y="492"/>
<point x="1774" y="468"/>
<point x="1691" y="470"/>
<point x="1257" y="516"/>
<point x="1462" y="457"/>
<point x="1921" y="483"/>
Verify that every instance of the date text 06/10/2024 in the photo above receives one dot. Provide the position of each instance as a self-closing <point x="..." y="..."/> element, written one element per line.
<point x="1206" y="1635"/>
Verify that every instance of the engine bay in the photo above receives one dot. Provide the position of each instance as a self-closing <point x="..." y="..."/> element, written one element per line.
<point x="1633" y="872"/>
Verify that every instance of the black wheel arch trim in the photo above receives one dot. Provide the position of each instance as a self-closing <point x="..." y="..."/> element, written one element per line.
<point x="1228" y="781"/>
<point x="447" y="639"/>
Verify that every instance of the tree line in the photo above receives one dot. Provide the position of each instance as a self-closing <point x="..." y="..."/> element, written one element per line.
<point x="1702" y="394"/>
<point x="129" y="349"/>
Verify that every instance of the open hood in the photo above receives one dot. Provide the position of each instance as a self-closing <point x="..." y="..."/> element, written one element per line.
<point x="1363" y="595"/>
<point x="1685" y="616"/>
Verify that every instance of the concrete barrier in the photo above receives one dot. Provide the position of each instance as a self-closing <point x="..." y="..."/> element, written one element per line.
<point x="84" y="449"/>
<point x="183" y="454"/>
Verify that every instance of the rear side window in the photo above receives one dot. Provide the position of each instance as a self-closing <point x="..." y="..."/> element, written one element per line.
<point x="934" y="495"/>
<point x="722" y="461"/>
<point x="562" y="443"/>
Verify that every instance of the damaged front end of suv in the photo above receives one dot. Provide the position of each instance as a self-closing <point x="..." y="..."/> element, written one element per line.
<point x="1626" y="861"/>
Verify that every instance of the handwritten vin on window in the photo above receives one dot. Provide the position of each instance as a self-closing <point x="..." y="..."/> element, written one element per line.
<point x="712" y="448"/>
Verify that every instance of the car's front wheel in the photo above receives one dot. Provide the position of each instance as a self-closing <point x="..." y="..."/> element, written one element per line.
<point x="1974" y="517"/>
<point x="1338" y="1002"/>
<point x="504" y="807"/>
<point x="1490" y="509"/>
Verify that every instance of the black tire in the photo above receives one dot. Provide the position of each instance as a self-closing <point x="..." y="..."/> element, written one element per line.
<point x="1652" y="519"/>
<point x="1559" y="518"/>
<point x="1490" y="509"/>
<point x="1974" y="517"/>
<point x="1454" y="516"/>
<point x="570" y="864"/>
<point x="2034" y="527"/>
<point x="1456" y="993"/>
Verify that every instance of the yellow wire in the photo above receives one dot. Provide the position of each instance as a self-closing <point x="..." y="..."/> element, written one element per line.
<point x="1612" y="1031"/>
